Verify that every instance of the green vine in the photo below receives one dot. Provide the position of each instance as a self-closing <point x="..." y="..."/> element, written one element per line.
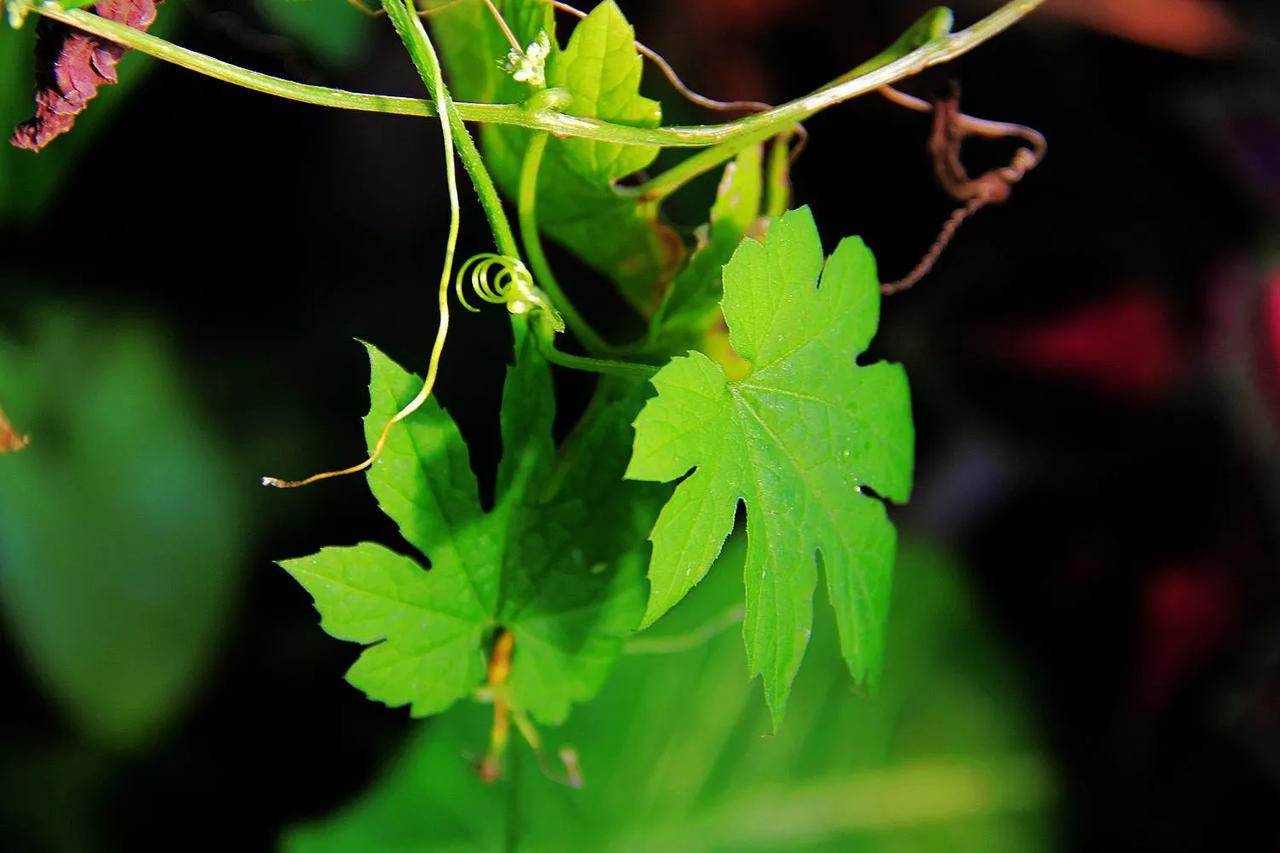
<point x="760" y="126"/>
<point x="755" y="334"/>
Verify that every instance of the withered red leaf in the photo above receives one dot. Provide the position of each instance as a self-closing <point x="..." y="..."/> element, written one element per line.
<point x="71" y="65"/>
<point x="10" y="440"/>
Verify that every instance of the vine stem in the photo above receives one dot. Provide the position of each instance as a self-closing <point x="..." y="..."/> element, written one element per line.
<point x="743" y="131"/>
<point x="527" y="212"/>
<point x="434" y="78"/>
<point x="608" y="367"/>
<point x="423" y="53"/>
<point x="511" y="832"/>
<point x="418" y="43"/>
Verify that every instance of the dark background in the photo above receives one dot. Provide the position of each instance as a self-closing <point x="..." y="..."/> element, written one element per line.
<point x="1096" y="431"/>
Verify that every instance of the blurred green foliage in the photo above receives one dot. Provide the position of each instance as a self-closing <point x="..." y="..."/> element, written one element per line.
<point x="676" y="754"/>
<point x="334" y="32"/>
<point x="120" y="529"/>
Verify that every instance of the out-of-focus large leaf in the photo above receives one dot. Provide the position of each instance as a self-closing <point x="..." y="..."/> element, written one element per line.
<point x="119" y="529"/>
<point x="946" y="757"/>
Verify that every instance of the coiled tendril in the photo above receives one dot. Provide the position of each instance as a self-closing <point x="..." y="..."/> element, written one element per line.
<point x="498" y="280"/>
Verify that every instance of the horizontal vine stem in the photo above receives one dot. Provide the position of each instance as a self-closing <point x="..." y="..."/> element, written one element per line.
<point x="760" y="125"/>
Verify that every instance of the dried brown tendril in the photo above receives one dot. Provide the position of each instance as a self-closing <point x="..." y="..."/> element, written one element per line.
<point x="950" y="128"/>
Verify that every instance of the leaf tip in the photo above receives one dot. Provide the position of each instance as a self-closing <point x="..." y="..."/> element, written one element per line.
<point x="798" y="216"/>
<point x="652" y="613"/>
<point x="777" y="710"/>
<point x="371" y="350"/>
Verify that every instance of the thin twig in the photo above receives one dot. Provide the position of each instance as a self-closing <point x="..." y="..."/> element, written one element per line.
<point x="506" y="30"/>
<point x="974" y="126"/>
<point x="949" y="229"/>
<point x="674" y="78"/>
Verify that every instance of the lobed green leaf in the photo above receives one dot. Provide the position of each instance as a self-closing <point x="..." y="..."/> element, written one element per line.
<point x="426" y="632"/>
<point x="798" y="440"/>
<point x="601" y="69"/>
<point x="948" y="758"/>
<point x="557" y="560"/>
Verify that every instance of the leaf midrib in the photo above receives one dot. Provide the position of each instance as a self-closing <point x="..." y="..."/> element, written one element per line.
<point x="815" y="493"/>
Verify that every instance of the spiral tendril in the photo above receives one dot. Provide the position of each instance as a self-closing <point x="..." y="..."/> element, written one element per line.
<point x="502" y="280"/>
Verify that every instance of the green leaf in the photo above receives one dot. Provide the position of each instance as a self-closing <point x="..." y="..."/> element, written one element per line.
<point x="929" y="27"/>
<point x="557" y="560"/>
<point x="692" y="304"/>
<point x="120" y="529"/>
<point x="333" y="31"/>
<point x="949" y="756"/>
<point x="473" y="46"/>
<point x="797" y="440"/>
<point x="425" y="655"/>
<point x="601" y="69"/>
<point x="577" y="204"/>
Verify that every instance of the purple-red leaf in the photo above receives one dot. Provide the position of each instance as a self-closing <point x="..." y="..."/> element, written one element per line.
<point x="71" y="65"/>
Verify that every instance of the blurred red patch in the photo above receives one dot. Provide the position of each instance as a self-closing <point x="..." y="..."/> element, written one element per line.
<point x="1125" y="344"/>
<point x="1193" y="27"/>
<point x="1188" y="612"/>
<point x="1273" y="319"/>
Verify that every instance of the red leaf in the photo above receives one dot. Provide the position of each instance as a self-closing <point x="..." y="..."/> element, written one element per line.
<point x="71" y="65"/>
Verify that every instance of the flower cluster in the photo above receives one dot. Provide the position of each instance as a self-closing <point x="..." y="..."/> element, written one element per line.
<point x="530" y="65"/>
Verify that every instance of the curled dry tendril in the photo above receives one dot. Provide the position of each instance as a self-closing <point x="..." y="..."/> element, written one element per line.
<point x="950" y="128"/>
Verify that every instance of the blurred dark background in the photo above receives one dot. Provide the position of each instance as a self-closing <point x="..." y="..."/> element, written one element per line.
<point x="1095" y="368"/>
